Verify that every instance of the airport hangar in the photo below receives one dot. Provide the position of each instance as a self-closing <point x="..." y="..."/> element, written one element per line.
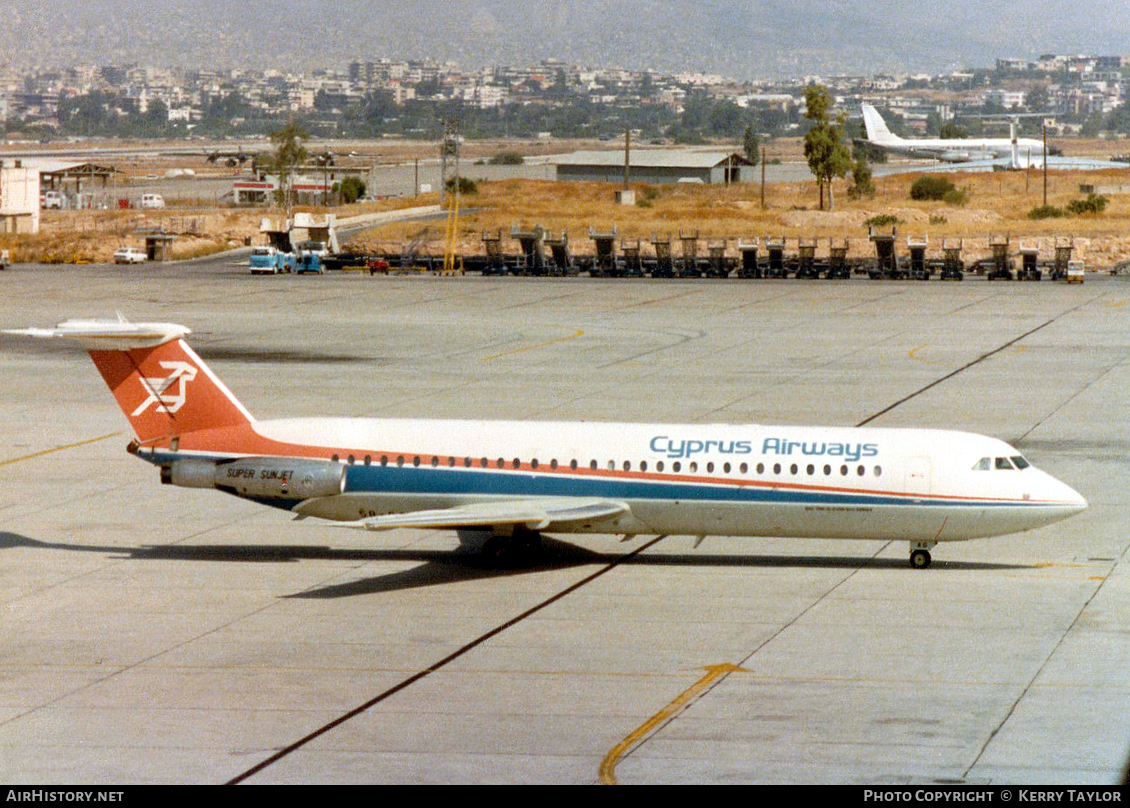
<point x="656" y="166"/>
<point x="160" y="634"/>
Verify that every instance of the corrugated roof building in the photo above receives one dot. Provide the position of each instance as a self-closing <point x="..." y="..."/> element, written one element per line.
<point x="656" y="166"/>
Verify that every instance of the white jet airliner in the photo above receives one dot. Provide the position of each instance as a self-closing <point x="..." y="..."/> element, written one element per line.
<point x="518" y="479"/>
<point x="1011" y="152"/>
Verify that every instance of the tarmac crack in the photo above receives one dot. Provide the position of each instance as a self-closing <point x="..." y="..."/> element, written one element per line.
<point x="437" y="666"/>
<point x="973" y="363"/>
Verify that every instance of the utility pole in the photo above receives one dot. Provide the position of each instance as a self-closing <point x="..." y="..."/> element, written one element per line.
<point x="1045" y="164"/>
<point x="763" y="178"/>
<point x="627" y="156"/>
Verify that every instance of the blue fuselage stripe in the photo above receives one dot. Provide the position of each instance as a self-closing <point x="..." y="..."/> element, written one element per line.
<point x="482" y="482"/>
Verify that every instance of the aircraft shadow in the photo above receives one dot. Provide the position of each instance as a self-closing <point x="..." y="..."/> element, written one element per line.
<point x="440" y="567"/>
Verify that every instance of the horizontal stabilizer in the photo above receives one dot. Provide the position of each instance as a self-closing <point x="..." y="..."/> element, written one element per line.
<point x="108" y="335"/>
<point x="536" y="514"/>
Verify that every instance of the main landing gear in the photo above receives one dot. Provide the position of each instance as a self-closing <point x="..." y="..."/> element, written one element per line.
<point x="920" y="554"/>
<point x="498" y="549"/>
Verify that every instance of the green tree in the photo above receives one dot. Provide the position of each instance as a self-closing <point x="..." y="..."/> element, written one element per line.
<point x="288" y="155"/>
<point x="751" y="145"/>
<point x="861" y="177"/>
<point x="828" y="157"/>
<point x="352" y="189"/>
<point x="951" y="130"/>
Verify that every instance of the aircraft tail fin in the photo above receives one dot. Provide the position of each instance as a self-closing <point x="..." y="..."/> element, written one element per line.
<point x="877" y="131"/>
<point x="161" y="384"/>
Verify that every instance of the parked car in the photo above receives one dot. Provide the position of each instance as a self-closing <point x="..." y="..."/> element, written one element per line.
<point x="129" y="255"/>
<point x="52" y="200"/>
<point x="152" y="202"/>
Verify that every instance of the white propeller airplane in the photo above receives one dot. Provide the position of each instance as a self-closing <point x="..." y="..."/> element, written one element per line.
<point x="517" y="479"/>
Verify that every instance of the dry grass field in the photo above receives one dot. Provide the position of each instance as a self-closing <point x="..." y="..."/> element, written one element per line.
<point x="997" y="203"/>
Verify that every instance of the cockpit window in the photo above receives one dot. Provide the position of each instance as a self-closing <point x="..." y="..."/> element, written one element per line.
<point x="1020" y="462"/>
<point x="984" y="464"/>
<point x="1003" y="463"/>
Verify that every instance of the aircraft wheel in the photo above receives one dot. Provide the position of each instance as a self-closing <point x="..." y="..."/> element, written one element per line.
<point x="496" y="552"/>
<point x="511" y="551"/>
<point x="920" y="559"/>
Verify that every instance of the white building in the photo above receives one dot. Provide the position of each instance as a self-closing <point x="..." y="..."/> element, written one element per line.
<point x="19" y="197"/>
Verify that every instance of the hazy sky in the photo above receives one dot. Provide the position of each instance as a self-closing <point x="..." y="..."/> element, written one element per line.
<point x="740" y="38"/>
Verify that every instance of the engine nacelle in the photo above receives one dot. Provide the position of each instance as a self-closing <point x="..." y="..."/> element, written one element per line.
<point x="260" y="477"/>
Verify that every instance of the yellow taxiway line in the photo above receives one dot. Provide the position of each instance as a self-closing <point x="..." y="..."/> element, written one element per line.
<point x="608" y="765"/>
<point x="34" y="455"/>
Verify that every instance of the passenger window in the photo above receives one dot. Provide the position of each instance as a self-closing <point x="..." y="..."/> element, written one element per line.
<point x="984" y="464"/>
<point x="676" y="466"/>
<point x="643" y="465"/>
<point x="1002" y="463"/>
<point x="710" y="468"/>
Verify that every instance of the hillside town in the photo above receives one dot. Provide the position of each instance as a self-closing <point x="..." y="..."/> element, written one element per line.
<point x="1072" y="94"/>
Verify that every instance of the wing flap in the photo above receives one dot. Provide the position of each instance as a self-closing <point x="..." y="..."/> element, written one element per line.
<point x="534" y="514"/>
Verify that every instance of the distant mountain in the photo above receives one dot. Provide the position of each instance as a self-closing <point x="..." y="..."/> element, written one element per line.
<point x="750" y="39"/>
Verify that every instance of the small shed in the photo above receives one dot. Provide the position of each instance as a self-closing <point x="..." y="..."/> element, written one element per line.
<point x="158" y="243"/>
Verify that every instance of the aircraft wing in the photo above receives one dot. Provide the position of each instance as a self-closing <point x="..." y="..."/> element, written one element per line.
<point x="543" y="514"/>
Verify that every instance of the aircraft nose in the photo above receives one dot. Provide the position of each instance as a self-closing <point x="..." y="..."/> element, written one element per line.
<point x="1060" y="491"/>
